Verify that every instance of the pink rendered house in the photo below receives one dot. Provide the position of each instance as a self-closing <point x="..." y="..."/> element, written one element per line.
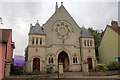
<point x="6" y="49"/>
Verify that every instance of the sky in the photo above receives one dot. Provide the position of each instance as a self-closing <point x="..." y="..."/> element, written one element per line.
<point x="19" y="14"/>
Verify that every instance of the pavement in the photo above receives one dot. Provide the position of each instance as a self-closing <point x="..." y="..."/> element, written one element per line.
<point x="81" y="75"/>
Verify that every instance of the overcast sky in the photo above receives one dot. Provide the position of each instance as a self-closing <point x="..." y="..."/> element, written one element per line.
<point x="18" y="15"/>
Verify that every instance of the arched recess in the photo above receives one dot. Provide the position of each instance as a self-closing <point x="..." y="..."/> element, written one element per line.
<point x="68" y="53"/>
<point x="32" y="62"/>
<point x="90" y="64"/>
<point x="36" y="64"/>
<point x="63" y="57"/>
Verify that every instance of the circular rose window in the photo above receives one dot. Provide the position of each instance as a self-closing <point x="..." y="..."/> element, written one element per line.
<point x="62" y="29"/>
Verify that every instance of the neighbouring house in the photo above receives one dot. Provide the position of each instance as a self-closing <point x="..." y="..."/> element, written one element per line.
<point x="110" y="44"/>
<point x="6" y="51"/>
<point x="60" y="39"/>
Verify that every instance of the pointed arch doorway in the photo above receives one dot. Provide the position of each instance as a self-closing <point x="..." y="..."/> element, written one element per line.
<point x="63" y="57"/>
<point x="36" y="64"/>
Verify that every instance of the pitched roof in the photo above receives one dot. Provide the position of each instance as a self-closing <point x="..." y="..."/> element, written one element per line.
<point x="37" y="29"/>
<point x="60" y="16"/>
<point x="5" y="34"/>
<point x="116" y="29"/>
<point x="85" y="33"/>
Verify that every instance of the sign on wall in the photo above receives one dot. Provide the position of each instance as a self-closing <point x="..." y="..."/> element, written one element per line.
<point x="19" y="60"/>
<point x="117" y="59"/>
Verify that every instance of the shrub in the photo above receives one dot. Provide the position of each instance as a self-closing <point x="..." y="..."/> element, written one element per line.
<point x="49" y="70"/>
<point x="17" y="70"/>
<point x="114" y="66"/>
<point x="35" y="73"/>
<point x="101" y="67"/>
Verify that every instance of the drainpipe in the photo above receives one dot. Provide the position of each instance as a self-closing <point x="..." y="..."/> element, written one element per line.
<point x="80" y="53"/>
<point x="5" y="59"/>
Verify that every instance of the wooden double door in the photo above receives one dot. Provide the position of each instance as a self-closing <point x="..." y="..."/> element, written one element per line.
<point x="36" y="64"/>
<point x="63" y="57"/>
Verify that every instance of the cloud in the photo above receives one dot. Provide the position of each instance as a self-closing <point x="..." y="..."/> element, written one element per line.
<point x="19" y="15"/>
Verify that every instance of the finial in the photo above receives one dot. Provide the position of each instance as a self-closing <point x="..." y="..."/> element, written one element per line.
<point x="56" y="7"/>
<point x="61" y="3"/>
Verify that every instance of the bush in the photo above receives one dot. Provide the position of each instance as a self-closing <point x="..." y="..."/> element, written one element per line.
<point x="114" y="66"/>
<point x="101" y="67"/>
<point x="49" y="70"/>
<point x="35" y="73"/>
<point x="17" y="70"/>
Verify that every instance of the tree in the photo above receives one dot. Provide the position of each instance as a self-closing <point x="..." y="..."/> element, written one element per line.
<point x="97" y="37"/>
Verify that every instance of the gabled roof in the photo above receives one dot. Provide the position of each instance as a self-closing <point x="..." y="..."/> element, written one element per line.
<point x="59" y="12"/>
<point x="5" y="34"/>
<point x="114" y="26"/>
<point x="37" y="29"/>
<point x="116" y="29"/>
<point x="85" y="33"/>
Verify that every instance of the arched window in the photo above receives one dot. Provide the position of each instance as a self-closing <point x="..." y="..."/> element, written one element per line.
<point x="74" y="59"/>
<point x="50" y="59"/>
<point x="40" y="41"/>
<point x="36" y="41"/>
<point x="88" y="43"/>
<point x="85" y="43"/>
<point x="33" y="41"/>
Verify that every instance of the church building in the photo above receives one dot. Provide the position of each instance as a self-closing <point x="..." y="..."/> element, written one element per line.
<point x="60" y="39"/>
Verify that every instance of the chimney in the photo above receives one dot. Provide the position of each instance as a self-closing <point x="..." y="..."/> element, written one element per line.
<point x="114" y="23"/>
